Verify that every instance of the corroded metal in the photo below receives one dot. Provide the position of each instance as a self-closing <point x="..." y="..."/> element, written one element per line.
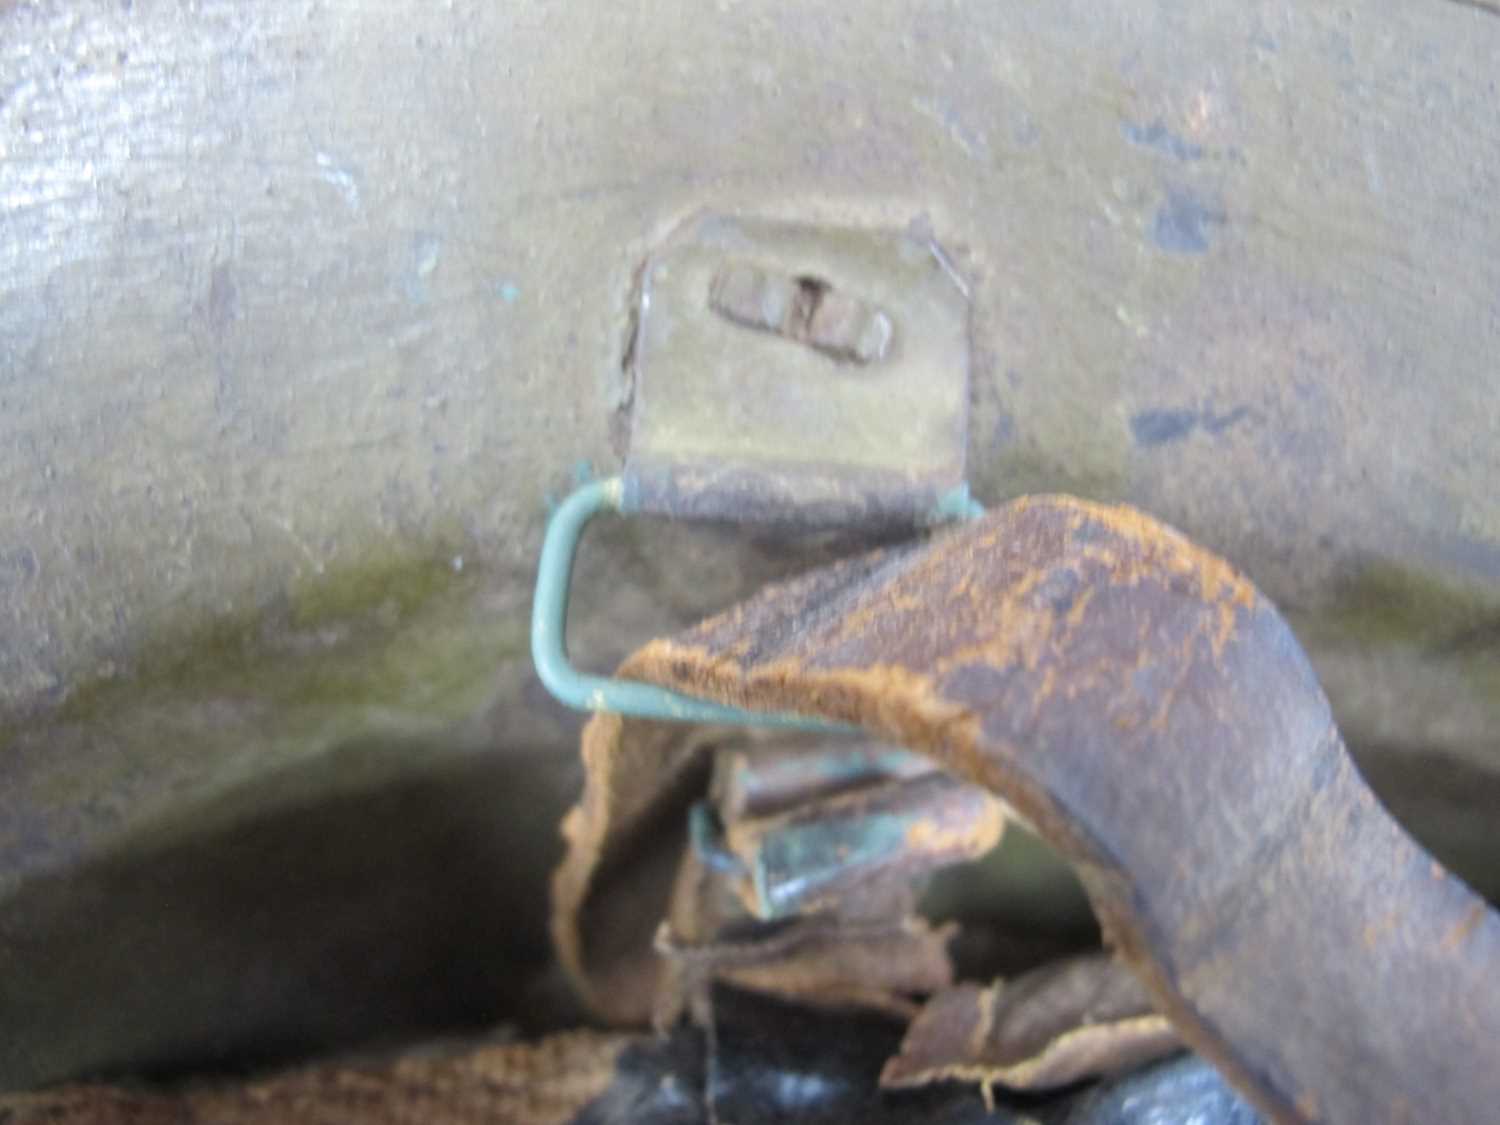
<point x="867" y="846"/>
<point x="802" y="308"/>
<point x="797" y="373"/>
<point x="801" y="873"/>
<point x="1144" y="708"/>
<point x="772" y="779"/>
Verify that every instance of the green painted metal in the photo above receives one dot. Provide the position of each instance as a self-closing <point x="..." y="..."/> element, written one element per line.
<point x="584" y="692"/>
<point x="957" y="504"/>
<point x="549" y="621"/>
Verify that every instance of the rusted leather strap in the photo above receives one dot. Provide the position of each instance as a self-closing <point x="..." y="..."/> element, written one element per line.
<point x="1138" y="702"/>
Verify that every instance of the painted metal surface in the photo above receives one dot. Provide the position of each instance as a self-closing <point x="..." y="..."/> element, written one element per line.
<point x="307" y="311"/>
<point x="277" y="356"/>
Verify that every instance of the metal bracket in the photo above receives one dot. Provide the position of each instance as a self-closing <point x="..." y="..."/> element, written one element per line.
<point x="806" y="376"/>
<point x="798" y="375"/>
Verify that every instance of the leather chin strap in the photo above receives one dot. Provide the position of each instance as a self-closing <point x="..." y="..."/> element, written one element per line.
<point x="1139" y="704"/>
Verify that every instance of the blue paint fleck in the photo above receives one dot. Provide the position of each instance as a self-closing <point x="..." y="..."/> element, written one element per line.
<point x="1157" y="136"/>
<point x="1157" y="427"/>
<point x="1004" y="430"/>
<point x="1183" y="222"/>
<point x="1218" y="423"/>
<point x="426" y="250"/>
<point x="509" y="292"/>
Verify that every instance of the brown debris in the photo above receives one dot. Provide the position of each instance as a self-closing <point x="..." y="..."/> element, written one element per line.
<point x="543" y="1083"/>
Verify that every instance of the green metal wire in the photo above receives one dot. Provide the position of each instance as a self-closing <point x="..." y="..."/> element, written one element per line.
<point x="583" y="692"/>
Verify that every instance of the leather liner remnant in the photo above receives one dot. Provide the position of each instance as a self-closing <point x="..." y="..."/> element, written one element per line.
<point x="1138" y="703"/>
<point x="1052" y="1027"/>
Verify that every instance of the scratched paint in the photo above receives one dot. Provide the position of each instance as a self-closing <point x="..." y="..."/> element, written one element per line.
<point x="341" y="179"/>
<point x="425" y="254"/>
<point x="1157" y="427"/>
<point x="1157" y="136"/>
<point x="1185" y="224"/>
<point x="1161" y="426"/>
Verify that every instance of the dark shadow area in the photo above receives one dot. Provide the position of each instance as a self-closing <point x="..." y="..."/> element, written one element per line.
<point x="386" y="891"/>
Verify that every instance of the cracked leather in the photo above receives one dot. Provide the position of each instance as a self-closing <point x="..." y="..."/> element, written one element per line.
<point x="1138" y="703"/>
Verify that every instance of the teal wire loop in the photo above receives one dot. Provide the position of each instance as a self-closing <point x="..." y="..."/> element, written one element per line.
<point x="583" y="692"/>
<point x="957" y="504"/>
